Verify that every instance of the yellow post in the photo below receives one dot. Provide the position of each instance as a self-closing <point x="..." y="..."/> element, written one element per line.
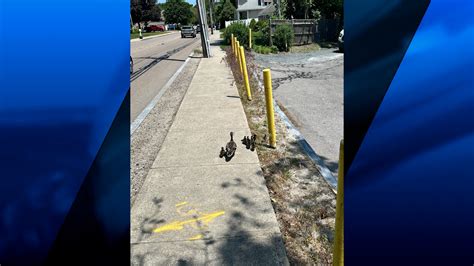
<point x="250" y="38"/>
<point x="244" y="73"/>
<point x="338" y="255"/>
<point x="267" y="81"/>
<point x="232" y="41"/>
<point x="235" y="47"/>
<point x="238" y="57"/>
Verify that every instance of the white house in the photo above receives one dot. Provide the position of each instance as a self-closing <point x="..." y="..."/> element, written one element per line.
<point x="248" y="9"/>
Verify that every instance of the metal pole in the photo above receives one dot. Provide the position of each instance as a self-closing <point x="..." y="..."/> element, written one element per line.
<point x="267" y="82"/>
<point x="203" y="33"/>
<point x="338" y="255"/>
<point x="244" y="73"/>
<point x="210" y="14"/>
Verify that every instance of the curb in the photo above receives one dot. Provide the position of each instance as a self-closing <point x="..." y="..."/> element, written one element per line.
<point x="150" y="37"/>
<point x="325" y="172"/>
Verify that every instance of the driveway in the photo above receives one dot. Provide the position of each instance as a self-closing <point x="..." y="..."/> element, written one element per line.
<point x="309" y="88"/>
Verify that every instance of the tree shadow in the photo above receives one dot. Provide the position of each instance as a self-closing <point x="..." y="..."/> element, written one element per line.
<point x="148" y="224"/>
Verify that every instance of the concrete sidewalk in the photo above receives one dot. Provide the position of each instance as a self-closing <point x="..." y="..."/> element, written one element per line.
<point x="195" y="208"/>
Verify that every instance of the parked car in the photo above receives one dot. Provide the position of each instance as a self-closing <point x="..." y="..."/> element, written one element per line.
<point x="198" y="28"/>
<point x="131" y="65"/>
<point x="340" y="41"/>
<point x="188" y="31"/>
<point x="153" y="28"/>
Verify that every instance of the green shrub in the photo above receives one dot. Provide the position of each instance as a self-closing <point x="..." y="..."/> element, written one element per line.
<point x="253" y="25"/>
<point x="261" y="38"/>
<point x="262" y="49"/>
<point x="262" y="25"/>
<point x="283" y="37"/>
<point x="240" y="31"/>
<point x="274" y="49"/>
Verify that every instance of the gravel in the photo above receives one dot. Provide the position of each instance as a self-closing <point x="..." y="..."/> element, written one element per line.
<point x="148" y="138"/>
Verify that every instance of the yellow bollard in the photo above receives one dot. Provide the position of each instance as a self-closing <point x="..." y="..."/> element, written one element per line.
<point x="238" y="57"/>
<point x="338" y="255"/>
<point x="267" y="80"/>
<point x="235" y="47"/>
<point x="250" y="38"/>
<point x="244" y="73"/>
<point x="232" y="41"/>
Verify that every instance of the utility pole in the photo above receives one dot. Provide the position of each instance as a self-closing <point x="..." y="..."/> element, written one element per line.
<point x="211" y="4"/>
<point x="206" y="48"/>
<point x="279" y="9"/>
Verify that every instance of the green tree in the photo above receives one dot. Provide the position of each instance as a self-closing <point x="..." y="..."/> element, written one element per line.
<point x="144" y="11"/>
<point x="308" y="8"/>
<point x="178" y="11"/>
<point x="225" y="12"/>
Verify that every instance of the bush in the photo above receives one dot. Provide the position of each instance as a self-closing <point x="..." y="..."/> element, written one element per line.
<point x="283" y="37"/>
<point x="253" y="25"/>
<point x="240" y="31"/>
<point x="265" y="49"/>
<point x="261" y="38"/>
<point x="262" y="25"/>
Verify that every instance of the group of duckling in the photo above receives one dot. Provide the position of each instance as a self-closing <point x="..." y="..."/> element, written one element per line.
<point x="231" y="146"/>
<point x="250" y="141"/>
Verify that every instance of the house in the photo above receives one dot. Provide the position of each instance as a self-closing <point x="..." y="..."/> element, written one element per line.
<point x="248" y="9"/>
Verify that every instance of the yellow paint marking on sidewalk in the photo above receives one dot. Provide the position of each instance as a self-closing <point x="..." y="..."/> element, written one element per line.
<point x="179" y="225"/>
<point x="181" y="203"/>
<point x="196" y="237"/>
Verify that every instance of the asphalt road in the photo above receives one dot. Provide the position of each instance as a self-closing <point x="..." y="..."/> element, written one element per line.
<point x="152" y="70"/>
<point x="309" y="87"/>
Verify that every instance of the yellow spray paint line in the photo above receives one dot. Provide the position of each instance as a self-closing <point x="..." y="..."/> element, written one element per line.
<point x="181" y="203"/>
<point x="179" y="225"/>
<point x="196" y="237"/>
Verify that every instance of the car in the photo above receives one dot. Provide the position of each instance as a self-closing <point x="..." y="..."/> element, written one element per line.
<point x="198" y="28"/>
<point x="188" y="31"/>
<point x="131" y="65"/>
<point x="340" y="41"/>
<point x="153" y="28"/>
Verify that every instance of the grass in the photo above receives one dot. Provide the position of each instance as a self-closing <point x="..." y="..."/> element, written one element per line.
<point x="265" y="49"/>
<point x="146" y="34"/>
<point x="305" y="48"/>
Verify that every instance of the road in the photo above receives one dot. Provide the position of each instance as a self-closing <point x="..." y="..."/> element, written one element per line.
<point x="151" y="70"/>
<point x="309" y="87"/>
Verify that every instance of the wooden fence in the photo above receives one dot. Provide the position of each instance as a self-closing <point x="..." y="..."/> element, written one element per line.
<point x="308" y="30"/>
<point x="304" y="29"/>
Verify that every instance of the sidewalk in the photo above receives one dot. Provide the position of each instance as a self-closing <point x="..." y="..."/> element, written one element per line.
<point x="194" y="208"/>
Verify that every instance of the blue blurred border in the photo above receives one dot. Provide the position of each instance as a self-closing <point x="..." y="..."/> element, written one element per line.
<point x="408" y="193"/>
<point x="64" y="74"/>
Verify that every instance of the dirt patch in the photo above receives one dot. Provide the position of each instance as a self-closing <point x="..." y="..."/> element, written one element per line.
<point x="303" y="202"/>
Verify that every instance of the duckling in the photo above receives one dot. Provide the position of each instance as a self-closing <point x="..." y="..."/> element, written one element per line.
<point x="222" y="153"/>
<point x="253" y="142"/>
<point x="231" y="146"/>
<point x="247" y="143"/>
<point x="244" y="140"/>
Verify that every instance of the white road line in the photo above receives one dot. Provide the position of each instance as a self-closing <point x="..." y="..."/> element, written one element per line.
<point x="137" y="122"/>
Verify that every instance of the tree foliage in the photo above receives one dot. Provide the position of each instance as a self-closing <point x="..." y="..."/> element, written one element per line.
<point x="144" y="11"/>
<point x="224" y="12"/>
<point x="311" y="9"/>
<point x="178" y="11"/>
